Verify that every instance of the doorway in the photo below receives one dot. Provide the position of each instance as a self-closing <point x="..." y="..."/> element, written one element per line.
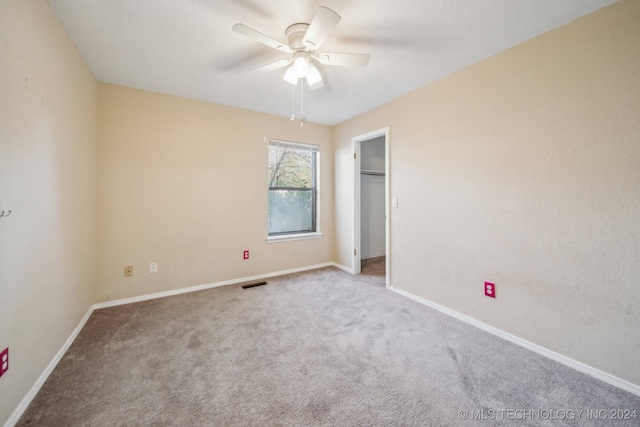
<point x="371" y="204"/>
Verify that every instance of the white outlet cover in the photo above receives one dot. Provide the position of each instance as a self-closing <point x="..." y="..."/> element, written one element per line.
<point x="153" y="267"/>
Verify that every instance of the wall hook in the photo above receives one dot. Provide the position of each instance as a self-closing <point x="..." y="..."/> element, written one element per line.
<point x="3" y="214"/>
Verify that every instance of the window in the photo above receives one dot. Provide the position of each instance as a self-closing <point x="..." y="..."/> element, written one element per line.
<point x="293" y="190"/>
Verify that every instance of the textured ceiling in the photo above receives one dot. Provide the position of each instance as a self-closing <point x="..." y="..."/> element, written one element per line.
<point x="187" y="48"/>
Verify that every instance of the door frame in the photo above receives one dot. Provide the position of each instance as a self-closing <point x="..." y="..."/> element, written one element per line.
<point x="356" y="145"/>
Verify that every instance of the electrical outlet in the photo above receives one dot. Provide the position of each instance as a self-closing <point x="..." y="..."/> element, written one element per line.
<point x="128" y="271"/>
<point x="490" y="289"/>
<point x="4" y="361"/>
<point x="246" y="255"/>
<point x="153" y="268"/>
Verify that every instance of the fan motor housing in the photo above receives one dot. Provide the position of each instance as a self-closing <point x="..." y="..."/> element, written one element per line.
<point x="295" y="33"/>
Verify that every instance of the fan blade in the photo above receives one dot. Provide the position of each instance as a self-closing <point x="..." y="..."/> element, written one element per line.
<point x="273" y="66"/>
<point x="323" y="23"/>
<point x="266" y="40"/>
<point x="344" y="59"/>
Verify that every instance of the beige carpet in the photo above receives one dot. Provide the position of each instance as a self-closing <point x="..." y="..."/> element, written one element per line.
<point x="322" y="348"/>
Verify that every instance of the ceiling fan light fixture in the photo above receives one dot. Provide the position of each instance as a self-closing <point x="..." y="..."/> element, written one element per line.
<point x="301" y="65"/>
<point x="313" y="75"/>
<point x="318" y="85"/>
<point x="291" y="76"/>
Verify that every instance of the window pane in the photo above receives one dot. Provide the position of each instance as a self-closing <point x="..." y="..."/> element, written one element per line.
<point x="291" y="211"/>
<point x="290" y="167"/>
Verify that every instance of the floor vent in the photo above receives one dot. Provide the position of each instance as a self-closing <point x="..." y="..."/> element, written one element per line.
<point x="253" y="285"/>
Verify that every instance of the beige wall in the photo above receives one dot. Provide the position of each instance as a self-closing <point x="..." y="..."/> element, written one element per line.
<point x="523" y="169"/>
<point x="48" y="131"/>
<point x="184" y="184"/>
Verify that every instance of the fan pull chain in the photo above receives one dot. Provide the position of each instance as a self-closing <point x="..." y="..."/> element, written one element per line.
<point x="301" y="103"/>
<point x="293" y="103"/>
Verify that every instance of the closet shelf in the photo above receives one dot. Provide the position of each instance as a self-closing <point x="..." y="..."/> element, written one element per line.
<point x="368" y="172"/>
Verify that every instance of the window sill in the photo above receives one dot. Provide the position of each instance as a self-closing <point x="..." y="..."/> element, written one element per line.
<point x="290" y="237"/>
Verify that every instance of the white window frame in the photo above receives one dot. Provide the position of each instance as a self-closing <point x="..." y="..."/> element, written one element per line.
<point x="300" y="235"/>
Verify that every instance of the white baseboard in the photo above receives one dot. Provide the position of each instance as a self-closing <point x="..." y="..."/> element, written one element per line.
<point x="206" y="286"/>
<point x="578" y="366"/>
<point x="26" y="401"/>
<point x="343" y="268"/>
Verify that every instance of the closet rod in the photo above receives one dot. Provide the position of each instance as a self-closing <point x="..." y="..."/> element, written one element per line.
<point x="375" y="173"/>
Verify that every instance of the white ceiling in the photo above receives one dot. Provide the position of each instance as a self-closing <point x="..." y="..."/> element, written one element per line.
<point x="187" y="48"/>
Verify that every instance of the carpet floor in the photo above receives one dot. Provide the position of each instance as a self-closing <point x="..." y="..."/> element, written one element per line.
<point x="319" y="348"/>
<point x="373" y="266"/>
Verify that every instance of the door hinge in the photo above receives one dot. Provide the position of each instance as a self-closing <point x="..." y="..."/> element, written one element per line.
<point x="355" y="252"/>
<point x="355" y="156"/>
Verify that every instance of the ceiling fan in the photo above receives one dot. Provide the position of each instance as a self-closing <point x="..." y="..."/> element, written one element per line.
<point x="303" y="40"/>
